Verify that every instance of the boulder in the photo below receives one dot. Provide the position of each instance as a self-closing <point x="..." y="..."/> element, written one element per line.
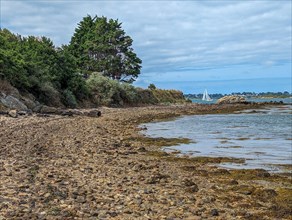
<point x="232" y="99"/>
<point x="29" y="102"/>
<point x="93" y="113"/>
<point x="13" y="113"/>
<point x="49" y="110"/>
<point x="11" y="102"/>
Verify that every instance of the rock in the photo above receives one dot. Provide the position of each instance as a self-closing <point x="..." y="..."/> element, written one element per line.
<point x="153" y="179"/>
<point x="49" y="110"/>
<point x="232" y="99"/>
<point x="93" y="113"/>
<point x="142" y="149"/>
<point x="22" y="113"/>
<point x="29" y="102"/>
<point x="80" y="199"/>
<point x="191" y="187"/>
<point x="262" y="173"/>
<point x="3" y="112"/>
<point x="37" y="107"/>
<point x="233" y="182"/>
<point x="43" y="115"/>
<point x="12" y="102"/>
<point x="13" y="113"/>
<point x="214" y="212"/>
<point x="67" y="113"/>
<point x="265" y="194"/>
<point x="244" y="189"/>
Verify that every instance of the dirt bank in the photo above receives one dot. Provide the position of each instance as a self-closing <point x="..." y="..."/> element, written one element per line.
<point x="101" y="168"/>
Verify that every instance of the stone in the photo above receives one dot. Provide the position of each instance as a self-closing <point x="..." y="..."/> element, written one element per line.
<point x="142" y="149"/>
<point x="13" y="113"/>
<point x="22" y="113"/>
<point x="214" y="212"/>
<point x="93" y="113"/>
<point x="12" y="102"/>
<point x="232" y="99"/>
<point x="153" y="179"/>
<point x="262" y="173"/>
<point x="191" y="187"/>
<point x="67" y="113"/>
<point x="49" y="110"/>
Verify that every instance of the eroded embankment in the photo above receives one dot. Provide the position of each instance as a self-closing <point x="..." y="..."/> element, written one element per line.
<point x="102" y="168"/>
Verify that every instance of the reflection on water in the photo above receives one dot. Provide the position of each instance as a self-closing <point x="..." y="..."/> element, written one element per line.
<point x="262" y="137"/>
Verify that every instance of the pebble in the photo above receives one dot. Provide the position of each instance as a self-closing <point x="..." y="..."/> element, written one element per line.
<point x="96" y="168"/>
<point x="214" y="212"/>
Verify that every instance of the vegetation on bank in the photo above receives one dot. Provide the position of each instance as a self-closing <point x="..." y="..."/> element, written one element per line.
<point x="97" y="67"/>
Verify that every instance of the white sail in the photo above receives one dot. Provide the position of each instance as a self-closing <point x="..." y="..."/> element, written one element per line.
<point x="206" y="96"/>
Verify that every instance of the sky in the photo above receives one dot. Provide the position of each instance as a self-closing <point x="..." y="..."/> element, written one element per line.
<point x="223" y="46"/>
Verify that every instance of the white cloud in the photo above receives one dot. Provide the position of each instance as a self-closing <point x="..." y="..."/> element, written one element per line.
<point x="172" y="35"/>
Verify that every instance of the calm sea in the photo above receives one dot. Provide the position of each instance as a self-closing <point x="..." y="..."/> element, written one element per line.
<point x="262" y="137"/>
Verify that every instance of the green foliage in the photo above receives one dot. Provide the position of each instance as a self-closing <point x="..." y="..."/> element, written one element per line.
<point x="69" y="99"/>
<point x="12" y="64"/>
<point x="102" y="88"/>
<point x="129" y="93"/>
<point x="99" y="49"/>
<point x="152" y="86"/>
<point x="34" y="65"/>
<point x="168" y="96"/>
<point x="49" y="95"/>
<point x="146" y="96"/>
<point x="101" y="45"/>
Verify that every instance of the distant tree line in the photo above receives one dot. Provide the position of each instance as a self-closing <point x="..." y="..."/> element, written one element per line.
<point x="247" y="94"/>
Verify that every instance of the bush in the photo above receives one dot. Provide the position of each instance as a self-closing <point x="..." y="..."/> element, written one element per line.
<point x="146" y="96"/>
<point x="104" y="90"/>
<point x="49" y="95"/>
<point x="129" y="93"/>
<point x="151" y="86"/>
<point x="69" y="99"/>
<point x="168" y="96"/>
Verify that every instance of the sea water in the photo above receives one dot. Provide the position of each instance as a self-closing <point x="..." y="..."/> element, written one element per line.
<point x="262" y="137"/>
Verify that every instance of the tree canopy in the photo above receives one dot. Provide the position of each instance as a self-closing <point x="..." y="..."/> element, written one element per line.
<point x="34" y="65"/>
<point x="101" y="45"/>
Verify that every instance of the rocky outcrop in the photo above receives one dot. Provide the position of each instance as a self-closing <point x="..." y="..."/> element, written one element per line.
<point x="232" y="99"/>
<point x="12" y="102"/>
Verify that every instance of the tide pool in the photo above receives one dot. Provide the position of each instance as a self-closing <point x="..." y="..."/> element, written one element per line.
<point x="262" y="137"/>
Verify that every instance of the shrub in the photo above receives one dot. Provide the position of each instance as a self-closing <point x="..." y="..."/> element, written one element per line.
<point x="49" y="95"/>
<point x="129" y="93"/>
<point x="151" y="86"/>
<point x="146" y="96"/>
<point x="69" y="99"/>
<point x="168" y="96"/>
<point x="104" y="90"/>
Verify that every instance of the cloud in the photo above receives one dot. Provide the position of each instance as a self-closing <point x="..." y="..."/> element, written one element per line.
<point x="180" y="37"/>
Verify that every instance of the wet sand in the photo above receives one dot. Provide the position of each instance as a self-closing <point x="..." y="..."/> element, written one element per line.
<point x="102" y="168"/>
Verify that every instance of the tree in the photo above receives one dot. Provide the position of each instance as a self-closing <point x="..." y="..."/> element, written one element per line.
<point x="101" y="45"/>
<point x="151" y="86"/>
<point x="12" y="64"/>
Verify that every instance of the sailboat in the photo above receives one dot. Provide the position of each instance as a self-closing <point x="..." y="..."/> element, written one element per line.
<point x="206" y="96"/>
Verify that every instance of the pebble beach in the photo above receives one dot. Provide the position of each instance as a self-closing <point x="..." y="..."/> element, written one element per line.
<point x="80" y="167"/>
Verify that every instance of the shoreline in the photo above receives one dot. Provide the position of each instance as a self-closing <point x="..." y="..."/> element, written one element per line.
<point x="101" y="168"/>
